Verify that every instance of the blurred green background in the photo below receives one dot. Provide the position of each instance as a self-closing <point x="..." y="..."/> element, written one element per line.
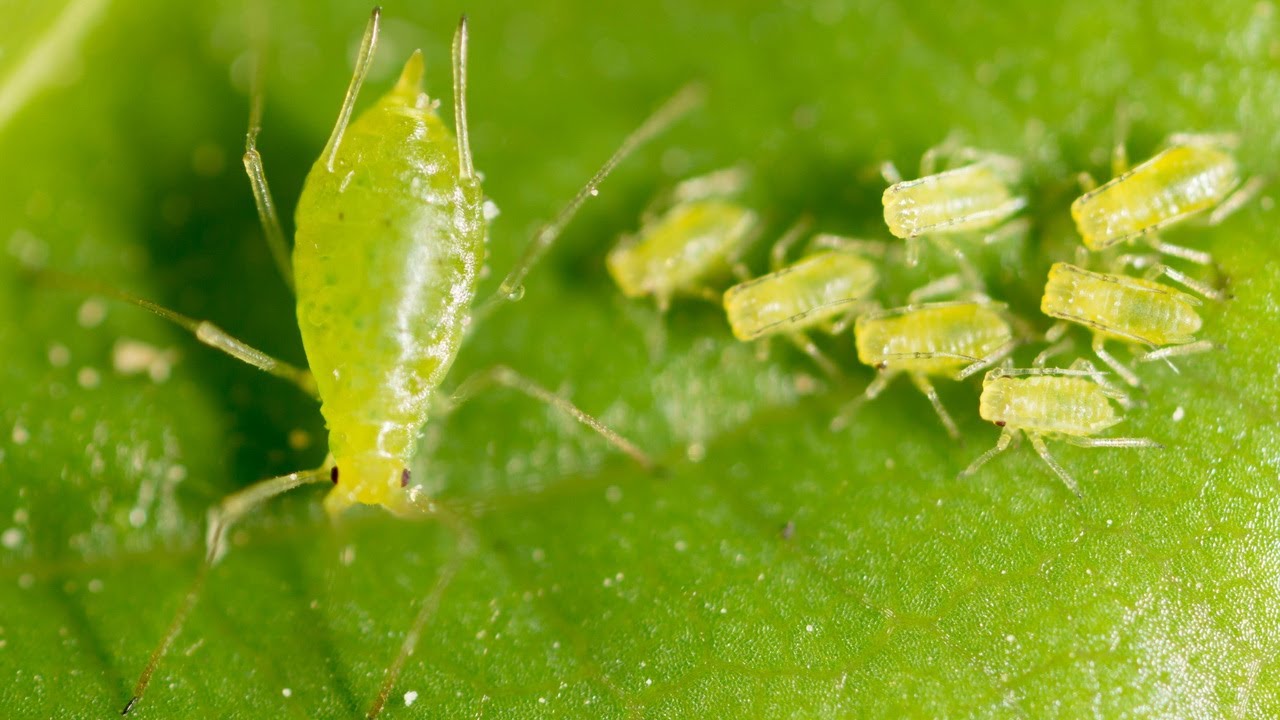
<point x="599" y="591"/>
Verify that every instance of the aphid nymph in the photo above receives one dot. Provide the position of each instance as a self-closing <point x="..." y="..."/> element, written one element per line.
<point x="391" y="234"/>
<point x="1050" y="402"/>
<point x="1131" y="310"/>
<point x="825" y="290"/>
<point x="688" y="242"/>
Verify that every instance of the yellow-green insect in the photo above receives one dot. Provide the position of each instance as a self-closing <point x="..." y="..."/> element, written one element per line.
<point x="687" y="242"/>
<point x="823" y="291"/>
<point x="1118" y="307"/>
<point x="1192" y="175"/>
<point x="951" y="340"/>
<point x="976" y="197"/>
<point x="390" y="241"/>
<point x="1069" y="404"/>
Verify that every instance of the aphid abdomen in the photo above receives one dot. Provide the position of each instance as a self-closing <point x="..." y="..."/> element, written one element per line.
<point x="1121" y="307"/>
<point x="388" y="247"/>
<point x="1047" y="404"/>
<point x="966" y="199"/>
<point x="936" y="339"/>
<point x="799" y="297"/>
<point x="690" y="246"/>
<point x="1178" y="182"/>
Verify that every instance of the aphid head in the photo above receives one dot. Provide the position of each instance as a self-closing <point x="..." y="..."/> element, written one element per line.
<point x="900" y="211"/>
<point x="369" y="479"/>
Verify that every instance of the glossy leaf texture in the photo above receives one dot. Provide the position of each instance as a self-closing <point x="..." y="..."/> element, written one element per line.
<point x="776" y="569"/>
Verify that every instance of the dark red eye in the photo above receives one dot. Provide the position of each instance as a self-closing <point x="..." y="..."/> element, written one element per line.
<point x="999" y="423"/>
<point x="404" y="478"/>
<point x="333" y="474"/>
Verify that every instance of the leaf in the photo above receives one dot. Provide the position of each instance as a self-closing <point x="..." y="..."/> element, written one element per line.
<point x="597" y="590"/>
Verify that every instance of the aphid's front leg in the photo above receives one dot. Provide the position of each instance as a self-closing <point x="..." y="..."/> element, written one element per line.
<point x="807" y="346"/>
<point x="1198" y="257"/>
<point x="890" y="173"/>
<point x="991" y="360"/>
<point x="1006" y="437"/>
<point x="922" y="383"/>
<point x="1058" y="344"/>
<point x="945" y="285"/>
<point x="221" y="518"/>
<point x="506" y="377"/>
<point x="1108" y="388"/>
<point x="1042" y="450"/>
<point x="1100" y="349"/>
<point x="1186" y="281"/>
<point x="877" y="386"/>
<point x="1176" y="351"/>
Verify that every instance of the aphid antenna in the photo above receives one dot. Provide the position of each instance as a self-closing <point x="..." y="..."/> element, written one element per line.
<point x="465" y="165"/>
<point x="673" y="109"/>
<point x="1044" y="371"/>
<point x="268" y="216"/>
<point x="368" y="44"/>
<point x="994" y="358"/>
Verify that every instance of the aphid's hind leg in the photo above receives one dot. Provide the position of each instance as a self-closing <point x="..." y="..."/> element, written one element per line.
<point x="922" y="383"/>
<point x="1092" y="442"/>
<point x="1238" y="199"/>
<point x="1100" y="349"/>
<point x="1186" y="281"/>
<point x="221" y="518"/>
<point x="367" y="46"/>
<point x="266" y="205"/>
<point x="807" y="346"/>
<point x="506" y="377"/>
<point x="206" y="332"/>
<point x="877" y="386"/>
<point x="1199" y="257"/>
<point x="512" y="285"/>
<point x="1176" y="351"/>
<point x="1042" y="450"/>
<point x="1006" y="437"/>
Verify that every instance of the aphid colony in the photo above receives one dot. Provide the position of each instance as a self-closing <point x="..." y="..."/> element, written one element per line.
<point x="963" y="195"/>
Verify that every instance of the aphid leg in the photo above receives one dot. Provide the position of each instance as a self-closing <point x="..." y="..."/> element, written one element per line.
<point x="1086" y="181"/>
<point x="1006" y="437"/>
<point x="740" y="271"/>
<point x="220" y="519"/>
<point x="512" y="285"/>
<point x="266" y="205"/>
<point x="778" y="253"/>
<point x="1042" y="450"/>
<point x="206" y="332"/>
<point x="1186" y="281"/>
<point x="465" y="166"/>
<point x="1119" y="151"/>
<point x="1238" y="199"/>
<point x="1222" y="141"/>
<point x="877" y="386"/>
<point x="913" y="251"/>
<point x="945" y="285"/>
<point x="971" y="275"/>
<point x="721" y="183"/>
<point x="890" y="173"/>
<point x="843" y="323"/>
<point x="1092" y="442"/>
<point x="1176" y="351"/>
<point x="922" y="383"/>
<point x="933" y="159"/>
<point x="1013" y="228"/>
<point x="869" y="248"/>
<point x="506" y="377"/>
<point x="367" y="46"/>
<point x="807" y="346"/>
<point x="991" y="360"/>
<point x="1058" y="344"/>
<point x="1198" y="257"/>
<point x="1100" y="349"/>
<point x="764" y="346"/>
<point x="1109" y="389"/>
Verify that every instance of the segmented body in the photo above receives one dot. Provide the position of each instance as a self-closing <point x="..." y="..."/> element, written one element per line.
<point x="1121" y="307"/>
<point x="682" y="252"/>
<point x="932" y="339"/>
<point x="806" y="294"/>
<point x="967" y="199"/>
<point x="1179" y="182"/>
<point x="1046" y="404"/>
<point x="385" y="273"/>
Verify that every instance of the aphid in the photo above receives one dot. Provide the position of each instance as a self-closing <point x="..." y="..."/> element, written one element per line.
<point x="1193" y="174"/>
<point x="693" y="244"/>
<point x="974" y="198"/>
<point x="822" y="291"/>
<point x="1069" y="404"/>
<point x="951" y="340"/>
<point x="1118" y="307"/>
<point x="391" y="230"/>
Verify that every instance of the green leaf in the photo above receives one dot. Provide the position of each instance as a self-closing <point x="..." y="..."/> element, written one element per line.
<point x="597" y="590"/>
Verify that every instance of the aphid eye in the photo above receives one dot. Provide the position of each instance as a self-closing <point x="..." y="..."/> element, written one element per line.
<point x="882" y="365"/>
<point x="404" y="478"/>
<point x="999" y="423"/>
<point x="333" y="474"/>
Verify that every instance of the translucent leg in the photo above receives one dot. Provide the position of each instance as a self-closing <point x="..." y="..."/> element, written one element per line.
<point x="465" y="166"/>
<point x="1006" y="437"/>
<point x="1186" y="281"/>
<point x="971" y="276"/>
<point x="506" y="377"/>
<point x="1099" y="349"/>
<point x="1087" y="182"/>
<point x="807" y="346"/>
<point x="778" y="253"/>
<point x="828" y="241"/>
<point x="1119" y="153"/>
<point x="220" y="520"/>
<point x="1088" y="442"/>
<point x="1058" y="344"/>
<point x="1042" y="450"/>
<point x="1194" y="256"/>
<point x="877" y="386"/>
<point x="991" y="360"/>
<point x="945" y="285"/>
<point x="206" y="332"/>
<point x="922" y="383"/>
<point x="670" y="111"/>
<point x="1176" y="351"/>
<point x="266" y="205"/>
<point x="367" y="46"/>
<point x="890" y="173"/>
<point x="1238" y="199"/>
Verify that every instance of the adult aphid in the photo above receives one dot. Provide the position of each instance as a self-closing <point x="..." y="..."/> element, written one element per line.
<point x="977" y="197"/>
<point x="825" y="290"/>
<point x="1132" y="310"/>
<point x="391" y="233"/>
<point x="1070" y="404"/>
<point x="688" y="241"/>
